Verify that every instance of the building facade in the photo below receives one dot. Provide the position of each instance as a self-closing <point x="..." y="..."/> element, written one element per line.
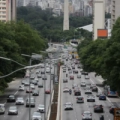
<point x="7" y="10"/>
<point x="98" y="16"/>
<point x="115" y="12"/>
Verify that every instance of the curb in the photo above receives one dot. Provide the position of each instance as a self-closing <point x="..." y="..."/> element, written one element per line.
<point x="59" y="99"/>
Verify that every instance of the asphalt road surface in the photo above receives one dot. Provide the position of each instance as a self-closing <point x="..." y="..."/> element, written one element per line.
<point x="23" y="111"/>
<point x="79" y="108"/>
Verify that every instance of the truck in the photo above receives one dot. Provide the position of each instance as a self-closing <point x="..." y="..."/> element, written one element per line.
<point x="110" y="93"/>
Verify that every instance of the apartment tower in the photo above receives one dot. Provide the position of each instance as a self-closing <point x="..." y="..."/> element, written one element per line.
<point x="115" y="12"/>
<point x="7" y="10"/>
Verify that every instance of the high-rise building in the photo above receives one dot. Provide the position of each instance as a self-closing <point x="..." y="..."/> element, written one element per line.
<point x="115" y="12"/>
<point x="98" y="17"/>
<point x="7" y="10"/>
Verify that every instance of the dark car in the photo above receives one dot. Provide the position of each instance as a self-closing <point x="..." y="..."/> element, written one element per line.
<point x="94" y="89"/>
<point x="71" y="77"/>
<point x="42" y="72"/>
<point x="65" y="80"/>
<point x="28" y="91"/>
<point x="75" y="71"/>
<point x="34" y="82"/>
<point x="73" y="67"/>
<point x="112" y="108"/>
<point x="102" y="97"/>
<point x="77" y="93"/>
<point x="98" y="108"/>
<point x="35" y="93"/>
<point x="11" y="98"/>
<point x="78" y="66"/>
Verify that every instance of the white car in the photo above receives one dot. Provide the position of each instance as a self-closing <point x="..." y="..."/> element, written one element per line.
<point x="88" y="92"/>
<point x="36" y="116"/>
<point x="80" y="99"/>
<point x="68" y="106"/>
<point x="21" y="88"/>
<point x="66" y="89"/>
<point x="2" y="108"/>
<point x="32" y="86"/>
<point x="19" y="101"/>
<point x="87" y="115"/>
<point x="87" y="77"/>
<point x="90" y="98"/>
<point x="41" y="108"/>
<point x="37" y="71"/>
<point x="83" y="84"/>
<point x="36" y="79"/>
<point x="47" y="70"/>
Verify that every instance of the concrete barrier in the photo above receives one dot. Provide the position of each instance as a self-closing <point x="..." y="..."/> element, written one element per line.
<point x="49" y="109"/>
<point x="59" y="99"/>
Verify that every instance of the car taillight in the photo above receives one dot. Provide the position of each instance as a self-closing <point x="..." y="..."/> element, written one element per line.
<point x="83" y="98"/>
<point x="90" y="114"/>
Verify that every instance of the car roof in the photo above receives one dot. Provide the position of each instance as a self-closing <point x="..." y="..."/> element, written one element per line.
<point x="87" y="112"/>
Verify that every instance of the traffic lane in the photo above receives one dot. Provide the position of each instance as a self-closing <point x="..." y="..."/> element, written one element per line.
<point x="12" y="89"/>
<point x="90" y="107"/>
<point x="112" y="100"/>
<point x="23" y="111"/>
<point x="65" y="97"/>
<point x="106" y="104"/>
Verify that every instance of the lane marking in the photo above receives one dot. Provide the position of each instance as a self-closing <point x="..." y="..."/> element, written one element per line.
<point x="100" y="90"/>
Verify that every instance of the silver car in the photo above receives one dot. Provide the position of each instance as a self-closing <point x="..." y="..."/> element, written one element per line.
<point x="21" y="88"/>
<point x="41" y="108"/>
<point x="87" y="115"/>
<point x="19" y="101"/>
<point x="12" y="110"/>
<point x="80" y="99"/>
<point x="90" y="98"/>
<point x="68" y="106"/>
<point x="36" y="116"/>
<point x="2" y="108"/>
<point x="78" y="76"/>
<point x="83" y="84"/>
<point x="88" y="92"/>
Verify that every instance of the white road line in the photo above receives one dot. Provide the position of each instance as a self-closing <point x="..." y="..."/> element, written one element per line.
<point x="100" y="91"/>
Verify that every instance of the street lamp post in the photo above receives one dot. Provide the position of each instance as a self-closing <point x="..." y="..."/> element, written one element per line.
<point x="30" y="63"/>
<point x="44" y="90"/>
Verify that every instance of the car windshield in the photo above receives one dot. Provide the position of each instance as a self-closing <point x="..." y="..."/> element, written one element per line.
<point x="11" y="96"/>
<point x="41" y="106"/>
<point x="13" y="108"/>
<point x="36" y="114"/>
<point x="19" y="98"/>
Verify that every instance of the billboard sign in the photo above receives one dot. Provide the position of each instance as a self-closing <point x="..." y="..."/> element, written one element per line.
<point x="102" y="33"/>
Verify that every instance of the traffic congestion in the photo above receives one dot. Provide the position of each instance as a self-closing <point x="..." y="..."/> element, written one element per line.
<point x="81" y="96"/>
<point x="31" y="100"/>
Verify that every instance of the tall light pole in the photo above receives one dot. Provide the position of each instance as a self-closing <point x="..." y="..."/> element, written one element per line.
<point x="30" y="63"/>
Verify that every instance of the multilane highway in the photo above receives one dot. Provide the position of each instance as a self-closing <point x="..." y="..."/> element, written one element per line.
<point x="79" y="108"/>
<point x="23" y="111"/>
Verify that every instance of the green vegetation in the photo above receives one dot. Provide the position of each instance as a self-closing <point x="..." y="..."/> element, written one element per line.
<point x="51" y="27"/>
<point x="16" y="39"/>
<point x="103" y="57"/>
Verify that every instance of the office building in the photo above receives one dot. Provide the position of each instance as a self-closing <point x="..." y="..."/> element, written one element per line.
<point x="98" y="17"/>
<point x="115" y="12"/>
<point x="7" y="10"/>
